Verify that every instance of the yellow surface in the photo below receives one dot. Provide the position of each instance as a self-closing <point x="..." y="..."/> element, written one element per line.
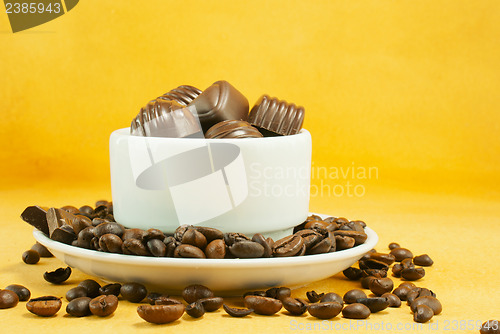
<point x="406" y="90"/>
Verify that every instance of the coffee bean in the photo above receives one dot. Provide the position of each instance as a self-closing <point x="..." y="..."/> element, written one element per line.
<point x="110" y="289"/>
<point x="259" y="238"/>
<point x="71" y="209"/>
<point x="246" y="249"/>
<point x="490" y="327"/>
<point x="385" y="258"/>
<point x="422" y="313"/>
<point x="423" y="260"/>
<point x="42" y="250"/>
<point x="216" y="249"/>
<point x="430" y="301"/>
<point x="310" y="237"/>
<point x="76" y="292"/>
<point x="153" y="296"/>
<point x="179" y="232"/>
<point x="194" y="292"/>
<point x="392" y="299"/>
<point x="296" y="306"/>
<point x="91" y="286"/>
<point x="413" y="274"/>
<point x="237" y="312"/>
<point x="359" y="237"/>
<point x="210" y="233"/>
<point x="64" y="234"/>
<point x="321" y="247"/>
<point x="332" y="297"/>
<point x="194" y="238"/>
<point x="379" y="286"/>
<point x="79" y="307"/>
<point x="418" y="292"/>
<point x="409" y="285"/>
<point x="104" y="305"/>
<point x="313" y="296"/>
<point x="401" y="292"/>
<point x="356" y="311"/>
<point x="171" y="244"/>
<point x="263" y="305"/>
<point x="393" y="245"/>
<point x="365" y="281"/>
<point x="156" y="247"/>
<point x="134" y="233"/>
<point x="22" y="292"/>
<point x="134" y="247"/>
<point x="189" y="251"/>
<point x="353" y="274"/>
<point x="31" y="257"/>
<point x="324" y="310"/>
<point x="8" y="299"/>
<point x="255" y="293"/>
<point x="84" y="238"/>
<point x="401" y="253"/>
<point x="45" y="306"/>
<point x="375" y="304"/>
<point x="164" y="300"/>
<point x="80" y="223"/>
<point x="111" y="243"/>
<point x="353" y="295"/>
<point x="211" y="304"/>
<point x="343" y="242"/>
<point x="195" y="309"/>
<point x="407" y="263"/>
<point x="397" y="269"/>
<point x="133" y="292"/>
<point x="112" y="228"/>
<point x="58" y="276"/>
<point x="288" y="246"/>
<point x="279" y="293"/>
<point x="86" y="209"/>
<point x="372" y="264"/>
<point x="160" y="314"/>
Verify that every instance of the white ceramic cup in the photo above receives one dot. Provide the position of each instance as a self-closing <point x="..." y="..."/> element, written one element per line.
<point x="244" y="185"/>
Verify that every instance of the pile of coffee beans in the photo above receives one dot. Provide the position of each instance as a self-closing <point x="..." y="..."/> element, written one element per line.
<point x="96" y="229"/>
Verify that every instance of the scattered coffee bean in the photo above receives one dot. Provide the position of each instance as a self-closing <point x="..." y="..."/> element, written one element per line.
<point x="91" y="286"/>
<point x="324" y="310"/>
<point x="401" y="292"/>
<point x="375" y="304"/>
<point x="353" y="274"/>
<point x="396" y="270"/>
<point x="193" y="292"/>
<point x="45" y="306"/>
<point x="8" y="299"/>
<point x="263" y="305"/>
<point x="133" y="292"/>
<point x="430" y="301"/>
<point x="42" y="250"/>
<point x="353" y="295"/>
<point x="110" y="289"/>
<point x="423" y="260"/>
<point x="278" y="293"/>
<point x="356" y="311"/>
<point x="104" y="305"/>
<point x="58" y="276"/>
<point x="392" y="299"/>
<point x="332" y="297"/>
<point x="365" y="281"/>
<point x="76" y="292"/>
<point x="401" y="253"/>
<point x="490" y="327"/>
<point x="22" y="292"/>
<point x="409" y="285"/>
<point x="313" y="296"/>
<point x="160" y="314"/>
<point x="255" y="293"/>
<point x="195" y="309"/>
<point x="422" y="313"/>
<point x="211" y="304"/>
<point x="418" y="292"/>
<point x="164" y="300"/>
<point x="388" y="259"/>
<point x="153" y="296"/>
<point x="296" y="306"/>
<point x="237" y="312"/>
<point x="79" y="307"/>
<point x="379" y="286"/>
<point x="413" y="274"/>
<point x="31" y="257"/>
<point x="393" y="245"/>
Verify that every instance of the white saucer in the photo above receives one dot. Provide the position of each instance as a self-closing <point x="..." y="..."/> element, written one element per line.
<point x="229" y="276"/>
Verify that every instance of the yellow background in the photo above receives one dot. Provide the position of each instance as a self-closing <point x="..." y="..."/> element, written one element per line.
<point x="410" y="88"/>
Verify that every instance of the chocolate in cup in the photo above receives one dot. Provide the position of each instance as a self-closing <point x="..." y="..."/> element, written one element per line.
<point x="182" y="95"/>
<point x="218" y="103"/>
<point x="277" y="116"/>
<point x="232" y="129"/>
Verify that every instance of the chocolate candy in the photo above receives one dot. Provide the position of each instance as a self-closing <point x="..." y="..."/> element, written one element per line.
<point x="232" y="129"/>
<point x="276" y="116"/>
<point x="163" y="118"/>
<point x="220" y="102"/>
<point x="182" y="95"/>
<point x="36" y="217"/>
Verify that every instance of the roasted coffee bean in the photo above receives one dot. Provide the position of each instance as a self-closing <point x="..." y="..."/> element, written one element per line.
<point x="321" y="247"/>
<point x="105" y="228"/>
<point x="393" y="245"/>
<point x="310" y="237"/>
<point x="356" y="311"/>
<point x="313" y="296"/>
<point x="179" y="232"/>
<point x="316" y="224"/>
<point x="353" y="274"/>
<point x="418" y="292"/>
<point x="365" y="281"/>
<point x="413" y="274"/>
<point x="195" y="309"/>
<point x="79" y="307"/>
<point x="154" y="233"/>
<point x="193" y="292"/>
<point x="246" y="249"/>
<point x="372" y="264"/>
<point x="379" y="273"/>
<point x="344" y="242"/>
<point x="211" y="304"/>
<point x="171" y="243"/>
<point x="353" y="295"/>
<point x="98" y="221"/>
<point x="76" y="292"/>
<point x="401" y="292"/>
<point x="332" y="297"/>
<point x="210" y="233"/>
<point x="375" y="304"/>
<point x="160" y="314"/>
<point x="490" y="327"/>
<point x="91" y="286"/>
<point x="259" y="238"/>
<point x="165" y="300"/>
<point x="104" y="305"/>
<point x="324" y="310"/>
<point x="31" y="257"/>
<point x="134" y="247"/>
<point x="110" y="289"/>
<point x="401" y="253"/>
<point x="279" y="293"/>
<point x="84" y="238"/>
<point x="8" y="299"/>
<point x="392" y="299"/>
<point x="359" y="237"/>
<point x="195" y="238"/>
<point x="42" y="250"/>
<point x="133" y="292"/>
<point x="296" y="306"/>
<point x="111" y="243"/>
<point x="353" y="225"/>
<point x="86" y="209"/>
<point x="409" y="285"/>
<point x="422" y="313"/>
<point x="216" y="249"/>
<point x="231" y="238"/>
<point x="255" y="293"/>
<point x="22" y="292"/>
<point x="189" y="251"/>
<point x="237" y="312"/>
<point x="71" y="209"/>
<point x="386" y="258"/>
<point x="288" y="246"/>
<point x="407" y="263"/>
<point x="58" y="276"/>
<point x="430" y="301"/>
<point x="45" y="306"/>
<point x="153" y="296"/>
<point x="134" y="233"/>
<point x="263" y="305"/>
<point x="156" y="247"/>
<point x="379" y="286"/>
<point x="396" y="270"/>
<point x="102" y="202"/>
<point x="423" y="260"/>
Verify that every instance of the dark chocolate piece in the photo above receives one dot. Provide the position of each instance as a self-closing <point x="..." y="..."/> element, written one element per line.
<point x="233" y="129"/>
<point x="277" y="116"/>
<point x="182" y="95"/>
<point x="36" y="217"/>
<point x="163" y="118"/>
<point x="56" y="218"/>
<point x="220" y="102"/>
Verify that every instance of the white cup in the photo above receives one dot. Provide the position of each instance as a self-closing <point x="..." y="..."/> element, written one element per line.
<point x="245" y="185"/>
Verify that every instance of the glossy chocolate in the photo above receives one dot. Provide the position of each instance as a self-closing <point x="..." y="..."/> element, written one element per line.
<point x="277" y="116"/>
<point x="233" y="129"/>
<point x="182" y="95"/>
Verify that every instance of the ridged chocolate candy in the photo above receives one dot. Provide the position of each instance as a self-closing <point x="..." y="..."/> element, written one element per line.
<point x="182" y="95"/>
<point x="277" y="116"/>
<point x="233" y="129"/>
